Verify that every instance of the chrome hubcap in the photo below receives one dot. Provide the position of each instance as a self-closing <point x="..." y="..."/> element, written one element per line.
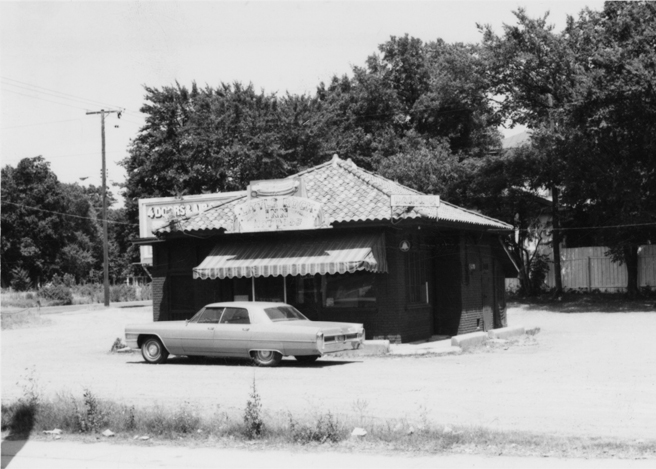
<point x="266" y="355"/>
<point x="153" y="350"/>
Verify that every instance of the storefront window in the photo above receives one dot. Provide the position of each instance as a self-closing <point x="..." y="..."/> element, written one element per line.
<point x="357" y="290"/>
<point x="242" y="289"/>
<point x="270" y="289"/>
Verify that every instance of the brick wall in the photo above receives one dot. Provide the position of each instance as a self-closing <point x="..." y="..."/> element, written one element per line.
<point x="159" y="309"/>
<point x="160" y="268"/>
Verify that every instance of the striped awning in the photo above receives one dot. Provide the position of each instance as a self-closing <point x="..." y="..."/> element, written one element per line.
<point x="329" y="254"/>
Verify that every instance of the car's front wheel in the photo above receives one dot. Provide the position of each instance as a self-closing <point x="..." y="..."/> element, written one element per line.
<point x="306" y="358"/>
<point x="266" y="358"/>
<point x="154" y="351"/>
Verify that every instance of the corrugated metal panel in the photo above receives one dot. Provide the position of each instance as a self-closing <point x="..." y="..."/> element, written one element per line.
<point x="589" y="268"/>
<point x="329" y="255"/>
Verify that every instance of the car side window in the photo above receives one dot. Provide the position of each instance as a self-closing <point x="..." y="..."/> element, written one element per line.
<point x="235" y="316"/>
<point x="210" y="316"/>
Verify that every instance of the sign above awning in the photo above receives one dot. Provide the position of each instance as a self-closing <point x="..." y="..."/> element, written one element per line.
<point x="279" y="214"/>
<point x="342" y="253"/>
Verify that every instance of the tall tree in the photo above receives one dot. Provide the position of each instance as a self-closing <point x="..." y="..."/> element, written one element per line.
<point x="47" y="227"/>
<point x="217" y="139"/>
<point x="534" y="72"/>
<point x="611" y="171"/>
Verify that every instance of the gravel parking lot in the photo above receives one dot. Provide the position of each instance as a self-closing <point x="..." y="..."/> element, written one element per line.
<point x="590" y="374"/>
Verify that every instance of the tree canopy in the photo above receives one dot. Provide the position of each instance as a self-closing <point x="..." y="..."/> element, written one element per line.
<point x="49" y="227"/>
<point x="423" y="113"/>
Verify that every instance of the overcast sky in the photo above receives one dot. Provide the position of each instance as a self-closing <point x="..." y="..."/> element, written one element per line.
<point x="59" y="60"/>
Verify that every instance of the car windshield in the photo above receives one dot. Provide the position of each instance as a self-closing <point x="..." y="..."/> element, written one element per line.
<point x="195" y="317"/>
<point x="284" y="313"/>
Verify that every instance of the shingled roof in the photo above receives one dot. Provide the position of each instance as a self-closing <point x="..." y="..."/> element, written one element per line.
<point x="348" y="194"/>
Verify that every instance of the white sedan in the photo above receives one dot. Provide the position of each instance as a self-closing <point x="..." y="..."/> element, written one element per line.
<point x="263" y="331"/>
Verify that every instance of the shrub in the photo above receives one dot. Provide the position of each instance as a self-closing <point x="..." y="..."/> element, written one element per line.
<point x="144" y="292"/>
<point x="57" y="294"/>
<point x="122" y="293"/>
<point x="69" y="280"/>
<point x="92" y="291"/>
<point x="253" y="415"/>
<point x="92" y="417"/>
<point x="20" y="280"/>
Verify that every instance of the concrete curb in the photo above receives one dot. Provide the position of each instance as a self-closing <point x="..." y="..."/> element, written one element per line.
<point x="404" y="350"/>
<point x="376" y="346"/>
<point x="369" y="348"/>
<point x="466" y="341"/>
<point x="505" y="332"/>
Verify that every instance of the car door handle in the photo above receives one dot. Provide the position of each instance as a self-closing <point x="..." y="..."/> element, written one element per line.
<point x="210" y="328"/>
<point x="245" y="328"/>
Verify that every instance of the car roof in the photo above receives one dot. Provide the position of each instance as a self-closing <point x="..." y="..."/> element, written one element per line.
<point x="246" y="304"/>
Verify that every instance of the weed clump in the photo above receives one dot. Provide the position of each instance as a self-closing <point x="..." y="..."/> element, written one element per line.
<point x="91" y="418"/>
<point x="326" y="429"/>
<point x="253" y="415"/>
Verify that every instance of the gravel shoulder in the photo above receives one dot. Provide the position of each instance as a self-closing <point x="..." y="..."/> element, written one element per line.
<point x="588" y="374"/>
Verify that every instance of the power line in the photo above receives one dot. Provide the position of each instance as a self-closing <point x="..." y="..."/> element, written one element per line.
<point x="40" y="123"/>
<point x="49" y="100"/>
<point x="68" y="214"/>
<point x="57" y="122"/>
<point x="606" y="226"/>
<point x="54" y="95"/>
<point x="597" y="227"/>
<point x="49" y="91"/>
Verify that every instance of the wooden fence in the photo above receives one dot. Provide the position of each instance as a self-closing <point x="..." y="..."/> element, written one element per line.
<point x="590" y="269"/>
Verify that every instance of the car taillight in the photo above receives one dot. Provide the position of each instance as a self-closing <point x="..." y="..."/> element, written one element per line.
<point x="319" y="340"/>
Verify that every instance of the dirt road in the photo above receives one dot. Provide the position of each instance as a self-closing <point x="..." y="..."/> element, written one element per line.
<point x="591" y="374"/>
<point x="73" y="455"/>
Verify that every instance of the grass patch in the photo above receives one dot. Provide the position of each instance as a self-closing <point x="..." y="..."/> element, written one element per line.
<point x="75" y="294"/>
<point x="89" y="415"/>
<point x="572" y="302"/>
<point x="22" y="319"/>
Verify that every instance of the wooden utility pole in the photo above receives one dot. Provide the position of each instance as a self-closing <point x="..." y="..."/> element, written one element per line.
<point x="102" y="113"/>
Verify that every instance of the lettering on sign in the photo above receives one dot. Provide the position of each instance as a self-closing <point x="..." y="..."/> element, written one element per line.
<point x="279" y="214"/>
<point x="176" y="210"/>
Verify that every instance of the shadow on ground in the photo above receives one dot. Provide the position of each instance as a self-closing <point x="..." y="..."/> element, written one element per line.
<point x="20" y="427"/>
<point x="210" y="361"/>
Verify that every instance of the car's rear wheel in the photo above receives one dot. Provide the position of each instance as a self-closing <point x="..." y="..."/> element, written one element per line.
<point x="306" y="358"/>
<point x="154" y="351"/>
<point x="266" y="357"/>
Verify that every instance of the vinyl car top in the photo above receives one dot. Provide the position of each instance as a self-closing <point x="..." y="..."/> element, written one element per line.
<point x="256" y="310"/>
